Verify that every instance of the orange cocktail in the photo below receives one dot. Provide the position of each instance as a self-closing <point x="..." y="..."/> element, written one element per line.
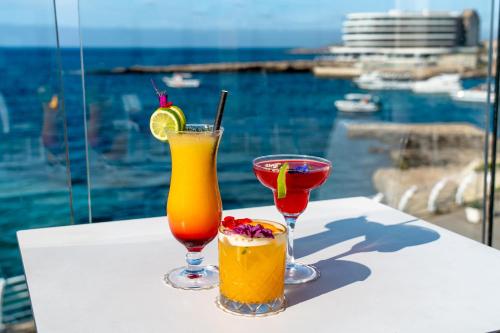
<point x="194" y="207"/>
<point x="252" y="256"/>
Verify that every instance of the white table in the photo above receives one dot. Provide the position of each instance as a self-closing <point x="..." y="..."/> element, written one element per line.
<point x="382" y="271"/>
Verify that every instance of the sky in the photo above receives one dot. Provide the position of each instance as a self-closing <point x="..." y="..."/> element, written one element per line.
<point x="193" y="23"/>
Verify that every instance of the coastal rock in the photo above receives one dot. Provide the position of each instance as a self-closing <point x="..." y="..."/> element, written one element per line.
<point x="405" y="158"/>
<point x="409" y="190"/>
<point x="438" y="136"/>
<point x="415" y="145"/>
<point x="425" y="191"/>
<point x="437" y="167"/>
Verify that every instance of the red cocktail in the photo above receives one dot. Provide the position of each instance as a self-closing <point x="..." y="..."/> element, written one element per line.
<point x="291" y="178"/>
<point x="302" y="176"/>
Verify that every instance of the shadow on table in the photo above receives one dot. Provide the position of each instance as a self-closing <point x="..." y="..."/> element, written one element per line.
<point x="378" y="237"/>
<point x="335" y="274"/>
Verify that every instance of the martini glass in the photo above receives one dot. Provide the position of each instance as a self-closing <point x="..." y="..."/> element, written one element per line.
<point x="304" y="174"/>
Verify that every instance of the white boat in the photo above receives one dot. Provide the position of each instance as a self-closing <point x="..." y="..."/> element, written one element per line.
<point x="181" y="80"/>
<point x="440" y="84"/>
<point x="358" y="103"/>
<point x="478" y="94"/>
<point x="377" y="81"/>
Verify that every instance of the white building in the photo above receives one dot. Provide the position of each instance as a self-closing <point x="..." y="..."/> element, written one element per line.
<point x="408" y="35"/>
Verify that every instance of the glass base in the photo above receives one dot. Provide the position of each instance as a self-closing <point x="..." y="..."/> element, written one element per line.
<point x="300" y="273"/>
<point x="181" y="278"/>
<point x="251" y="309"/>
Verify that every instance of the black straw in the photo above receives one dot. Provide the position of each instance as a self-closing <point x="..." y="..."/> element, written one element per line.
<point x="220" y="110"/>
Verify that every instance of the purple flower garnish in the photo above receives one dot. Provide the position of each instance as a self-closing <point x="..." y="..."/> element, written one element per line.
<point x="253" y="231"/>
<point x="299" y="169"/>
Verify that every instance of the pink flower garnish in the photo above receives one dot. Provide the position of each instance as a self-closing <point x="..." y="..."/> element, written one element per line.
<point x="253" y="231"/>
<point x="243" y="227"/>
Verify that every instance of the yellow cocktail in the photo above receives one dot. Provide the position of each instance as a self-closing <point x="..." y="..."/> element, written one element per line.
<point x="252" y="258"/>
<point x="194" y="207"/>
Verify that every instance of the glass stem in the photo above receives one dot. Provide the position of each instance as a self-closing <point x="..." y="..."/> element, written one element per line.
<point x="290" y="258"/>
<point x="194" y="260"/>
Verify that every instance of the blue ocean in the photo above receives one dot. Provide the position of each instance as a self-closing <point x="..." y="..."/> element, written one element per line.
<point x="129" y="171"/>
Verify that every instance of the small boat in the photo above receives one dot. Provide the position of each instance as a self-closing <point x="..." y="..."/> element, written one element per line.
<point x="440" y="84"/>
<point x="181" y="80"/>
<point x="478" y="94"/>
<point x="358" y="103"/>
<point x="377" y="81"/>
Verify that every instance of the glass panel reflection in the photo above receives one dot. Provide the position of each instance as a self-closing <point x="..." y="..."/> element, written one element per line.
<point x="34" y="188"/>
<point x="392" y="93"/>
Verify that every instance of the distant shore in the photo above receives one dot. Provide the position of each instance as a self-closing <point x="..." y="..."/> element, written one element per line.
<point x="253" y="66"/>
<point x="319" y="67"/>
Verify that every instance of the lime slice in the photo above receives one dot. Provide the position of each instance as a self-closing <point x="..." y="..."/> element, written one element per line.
<point x="163" y="121"/>
<point x="282" y="181"/>
<point x="180" y="114"/>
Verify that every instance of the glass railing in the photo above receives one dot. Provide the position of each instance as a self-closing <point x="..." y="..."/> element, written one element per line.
<point x="400" y="114"/>
<point x="35" y="190"/>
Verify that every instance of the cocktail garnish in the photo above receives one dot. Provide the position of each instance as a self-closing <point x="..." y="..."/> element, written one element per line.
<point x="253" y="231"/>
<point x="162" y="96"/>
<point x="245" y="228"/>
<point x="167" y="117"/>
<point x="282" y="181"/>
<point x="164" y="103"/>
<point x="300" y="169"/>
<point x="230" y="222"/>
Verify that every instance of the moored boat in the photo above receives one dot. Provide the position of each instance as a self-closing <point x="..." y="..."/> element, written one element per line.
<point x="377" y="81"/>
<point x="478" y="94"/>
<point x="440" y="84"/>
<point x="181" y="80"/>
<point x="358" y="103"/>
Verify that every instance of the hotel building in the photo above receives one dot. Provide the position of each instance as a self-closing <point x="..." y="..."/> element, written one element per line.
<point x="408" y="35"/>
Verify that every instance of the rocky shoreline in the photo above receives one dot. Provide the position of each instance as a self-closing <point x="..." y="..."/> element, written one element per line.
<point x="254" y="66"/>
<point x="436" y="168"/>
